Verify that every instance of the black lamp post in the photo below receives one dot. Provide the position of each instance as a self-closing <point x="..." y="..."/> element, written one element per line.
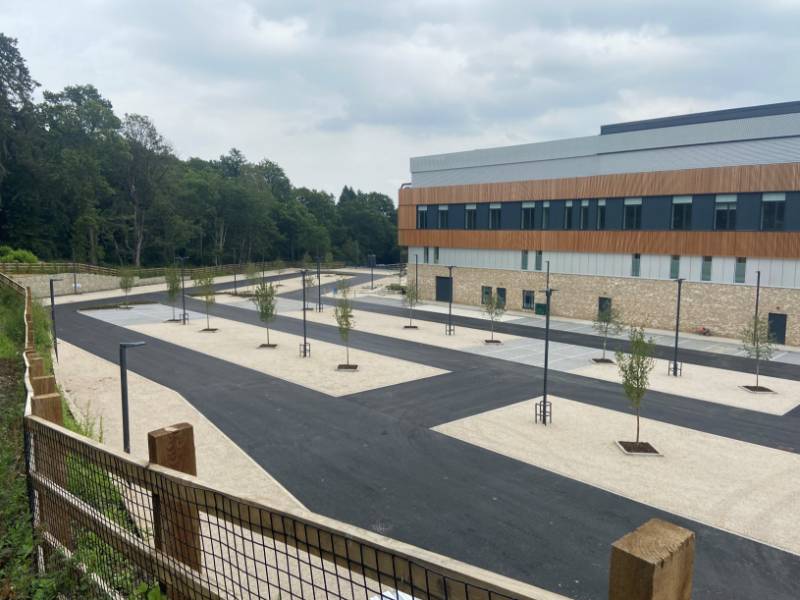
<point x="319" y="284"/>
<point x="53" y="315"/>
<point x="677" y="326"/>
<point x="123" y="378"/>
<point x="182" y="259"/>
<point x="544" y="408"/>
<point x="304" y="349"/>
<point x="371" y="258"/>
<point x="450" y="329"/>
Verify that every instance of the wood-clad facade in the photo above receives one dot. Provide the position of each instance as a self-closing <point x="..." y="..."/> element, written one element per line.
<point x="723" y="180"/>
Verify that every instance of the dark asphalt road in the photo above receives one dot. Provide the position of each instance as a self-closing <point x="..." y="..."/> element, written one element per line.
<point x="371" y="459"/>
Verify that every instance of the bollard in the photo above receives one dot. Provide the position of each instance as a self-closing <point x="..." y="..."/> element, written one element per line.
<point x="654" y="562"/>
<point x="176" y="522"/>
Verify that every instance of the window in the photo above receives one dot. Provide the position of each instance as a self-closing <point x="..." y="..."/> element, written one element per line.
<point x="636" y="265"/>
<point x="444" y="214"/>
<point x="741" y="268"/>
<point x="545" y="215"/>
<point x="682" y="212"/>
<point x="772" y="209"/>
<point x="601" y="214"/>
<point x="674" y="266"/>
<point x="436" y="255"/>
<point x="705" y="270"/>
<point x="486" y="293"/>
<point x="632" y="217"/>
<point x="426" y="255"/>
<point x="568" y="214"/>
<point x="524" y="260"/>
<point x="422" y="217"/>
<point x="537" y="264"/>
<point x="501" y="296"/>
<point x="584" y="224"/>
<point x="527" y="299"/>
<point x="725" y="212"/>
<point x="494" y="216"/>
<point x="471" y="217"/>
<point x="527" y="215"/>
<point x="603" y="304"/>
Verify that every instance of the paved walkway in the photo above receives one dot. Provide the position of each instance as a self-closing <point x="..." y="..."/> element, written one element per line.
<point x="372" y="459"/>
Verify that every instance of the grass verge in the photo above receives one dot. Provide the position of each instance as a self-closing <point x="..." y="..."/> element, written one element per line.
<point x="62" y="578"/>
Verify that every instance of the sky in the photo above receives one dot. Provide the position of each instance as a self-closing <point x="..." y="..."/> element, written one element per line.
<point x="344" y="93"/>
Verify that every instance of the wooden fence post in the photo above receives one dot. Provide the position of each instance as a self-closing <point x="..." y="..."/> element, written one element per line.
<point x="48" y="407"/>
<point x="176" y="521"/>
<point x="654" y="562"/>
<point x="44" y="384"/>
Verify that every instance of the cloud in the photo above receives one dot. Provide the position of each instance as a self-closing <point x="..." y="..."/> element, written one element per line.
<point x="344" y="92"/>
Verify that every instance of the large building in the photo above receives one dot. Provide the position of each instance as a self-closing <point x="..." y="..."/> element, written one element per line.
<point x="712" y="198"/>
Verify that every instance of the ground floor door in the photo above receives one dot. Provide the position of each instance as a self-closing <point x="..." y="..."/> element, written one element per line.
<point x="444" y="289"/>
<point x="777" y="327"/>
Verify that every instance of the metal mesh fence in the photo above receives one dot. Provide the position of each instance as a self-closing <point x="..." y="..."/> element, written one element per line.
<point x="137" y="527"/>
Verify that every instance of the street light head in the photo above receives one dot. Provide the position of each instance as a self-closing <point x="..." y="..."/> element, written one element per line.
<point x="131" y="344"/>
<point x="56" y="279"/>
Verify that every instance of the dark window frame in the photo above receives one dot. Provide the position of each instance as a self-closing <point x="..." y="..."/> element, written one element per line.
<point x="495" y="217"/>
<point x="471" y="217"/>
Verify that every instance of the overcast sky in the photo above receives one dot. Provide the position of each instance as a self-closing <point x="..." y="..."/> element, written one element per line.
<point x="340" y="92"/>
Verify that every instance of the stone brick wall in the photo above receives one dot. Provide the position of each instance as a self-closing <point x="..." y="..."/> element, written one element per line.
<point x="40" y="284"/>
<point x="724" y="309"/>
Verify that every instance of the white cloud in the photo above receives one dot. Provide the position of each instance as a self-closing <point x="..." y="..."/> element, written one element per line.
<point x="343" y="93"/>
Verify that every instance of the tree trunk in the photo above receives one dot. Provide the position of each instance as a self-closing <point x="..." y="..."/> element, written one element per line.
<point x="758" y="365"/>
<point x="637" y="425"/>
<point x="492" y="336"/>
<point x="208" y="323"/>
<point x="605" y="337"/>
<point x="347" y="347"/>
<point x="173" y="310"/>
<point x="267" y="336"/>
<point x="410" y="314"/>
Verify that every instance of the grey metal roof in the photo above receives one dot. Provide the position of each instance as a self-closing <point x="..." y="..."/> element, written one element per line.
<point x="754" y="140"/>
<point x="729" y="114"/>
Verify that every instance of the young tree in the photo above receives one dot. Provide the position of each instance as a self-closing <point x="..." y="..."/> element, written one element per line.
<point x="205" y="285"/>
<point x="635" y="368"/>
<point x="173" y="278"/>
<point x="410" y="299"/>
<point x="494" y="309"/>
<point x="126" y="277"/>
<point x="265" y="301"/>
<point x="607" y="322"/>
<point x="344" y="316"/>
<point x="758" y="343"/>
<point x="251" y="272"/>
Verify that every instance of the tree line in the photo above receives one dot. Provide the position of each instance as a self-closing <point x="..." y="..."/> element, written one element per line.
<point x="79" y="183"/>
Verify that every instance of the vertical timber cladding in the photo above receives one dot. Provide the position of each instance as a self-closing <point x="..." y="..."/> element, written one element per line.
<point x="723" y="308"/>
<point x="752" y="178"/>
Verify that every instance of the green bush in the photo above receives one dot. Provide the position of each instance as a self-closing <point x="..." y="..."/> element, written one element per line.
<point x="9" y="255"/>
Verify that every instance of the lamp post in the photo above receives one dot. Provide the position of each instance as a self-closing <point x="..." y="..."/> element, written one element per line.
<point x="319" y="284"/>
<point x="543" y="409"/>
<point x="304" y="350"/>
<point x="371" y="258"/>
<point x="756" y="342"/>
<point x="677" y="326"/>
<point x="123" y="378"/>
<point x="182" y="259"/>
<point x="450" y="330"/>
<point x="53" y="315"/>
